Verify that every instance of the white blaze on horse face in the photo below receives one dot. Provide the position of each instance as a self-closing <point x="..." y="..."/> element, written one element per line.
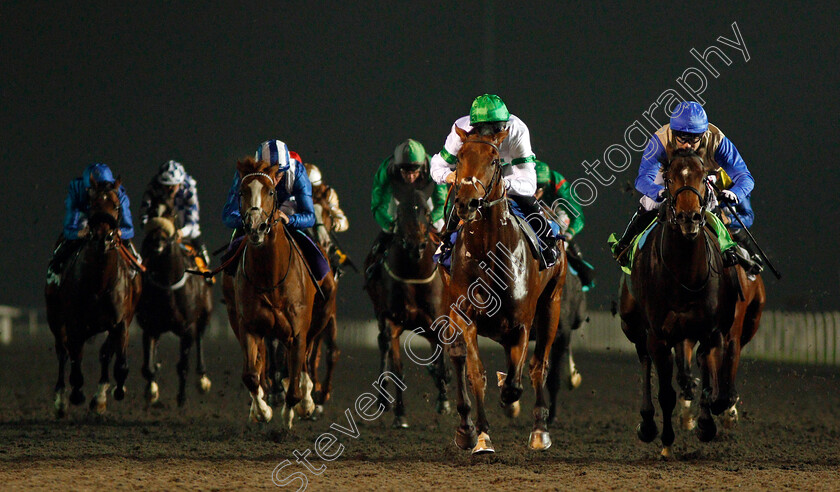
<point x="256" y="198"/>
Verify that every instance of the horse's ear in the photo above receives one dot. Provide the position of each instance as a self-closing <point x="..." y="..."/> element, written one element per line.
<point x="243" y="165"/>
<point x="461" y="133"/>
<point x="500" y="137"/>
<point x="118" y="182"/>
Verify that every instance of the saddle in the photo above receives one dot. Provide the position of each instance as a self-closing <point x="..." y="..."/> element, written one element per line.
<point x="310" y="251"/>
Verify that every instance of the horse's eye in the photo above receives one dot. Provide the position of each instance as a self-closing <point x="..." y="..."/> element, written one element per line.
<point x="271" y="193"/>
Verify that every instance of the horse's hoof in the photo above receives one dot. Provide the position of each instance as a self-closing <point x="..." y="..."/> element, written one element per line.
<point x="539" y="440"/>
<point x="77" y="397"/>
<point x="443" y="407"/>
<point x="510" y="394"/>
<point x="305" y="408"/>
<point x="119" y="393"/>
<point x="288" y="416"/>
<point x="60" y="405"/>
<point x="512" y="410"/>
<point x="647" y="431"/>
<point x="204" y="384"/>
<point x="400" y="422"/>
<point x="666" y="453"/>
<point x="574" y="380"/>
<point x="687" y="420"/>
<point x="319" y="411"/>
<point x="729" y="418"/>
<point x="706" y="429"/>
<point x="98" y="406"/>
<point x="181" y="399"/>
<point x="152" y="393"/>
<point x="466" y="438"/>
<point x="483" y="445"/>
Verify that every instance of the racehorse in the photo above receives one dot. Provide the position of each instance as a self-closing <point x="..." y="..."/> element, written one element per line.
<point x="744" y="327"/>
<point x="679" y="291"/>
<point x="98" y="292"/>
<point x="497" y="291"/>
<point x="406" y="292"/>
<point x="172" y="301"/>
<point x="270" y="296"/>
<point x="561" y="365"/>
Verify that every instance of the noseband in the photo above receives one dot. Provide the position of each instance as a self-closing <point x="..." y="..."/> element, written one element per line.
<point x="273" y="193"/>
<point x="497" y="173"/>
<point x="672" y="201"/>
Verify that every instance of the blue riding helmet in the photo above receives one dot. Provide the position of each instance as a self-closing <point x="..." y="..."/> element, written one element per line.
<point x="275" y="152"/>
<point x="689" y="117"/>
<point x="98" y="172"/>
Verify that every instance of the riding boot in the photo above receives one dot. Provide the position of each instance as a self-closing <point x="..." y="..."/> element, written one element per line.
<point x="377" y="251"/>
<point x="640" y="220"/>
<point x="530" y="207"/>
<point x="582" y="267"/>
<point x="62" y="252"/>
<point x="201" y="249"/>
<point x="134" y="252"/>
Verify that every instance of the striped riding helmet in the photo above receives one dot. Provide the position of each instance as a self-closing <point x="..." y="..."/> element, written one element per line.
<point x="274" y="152"/>
<point x="171" y="173"/>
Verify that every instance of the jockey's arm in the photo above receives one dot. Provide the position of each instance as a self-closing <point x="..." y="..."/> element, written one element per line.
<point x="189" y="192"/>
<point x="74" y="219"/>
<point x="145" y="203"/>
<point x="744" y="211"/>
<point x="126" y="224"/>
<point x="730" y="160"/>
<point x="230" y="212"/>
<point x="567" y="202"/>
<point x="380" y="197"/>
<point x="438" y="203"/>
<point x="340" y="222"/>
<point x="443" y="162"/>
<point x="653" y="155"/>
<point x="520" y="175"/>
<point x="304" y="215"/>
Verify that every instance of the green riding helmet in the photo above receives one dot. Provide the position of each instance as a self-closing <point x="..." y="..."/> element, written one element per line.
<point x="488" y="108"/>
<point x="410" y="155"/>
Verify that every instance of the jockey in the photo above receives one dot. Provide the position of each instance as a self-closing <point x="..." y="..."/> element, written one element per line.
<point x="339" y="219"/>
<point x="556" y="193"/>
<point x="743" y="210"/>
<point x="291" y="183"/>
<point x="406" y="170"/>
<point x="488" y="116"/>
<point x="689" y="128"/>
<point x="76" y="214"/>
<point x="172" y="181"/>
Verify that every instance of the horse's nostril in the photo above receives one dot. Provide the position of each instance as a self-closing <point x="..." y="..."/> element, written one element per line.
<point x="262" y="227"/>
<point x="696" y="217"/>
<point x="473" y="204"/>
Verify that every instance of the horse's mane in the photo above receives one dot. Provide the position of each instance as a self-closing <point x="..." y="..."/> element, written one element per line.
<point x="684" y="158"/>
<point x="249" y="165"/>
<point x="157" y="223"/>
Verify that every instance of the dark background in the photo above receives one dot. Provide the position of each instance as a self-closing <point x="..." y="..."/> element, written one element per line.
<point x="136" y="85"/>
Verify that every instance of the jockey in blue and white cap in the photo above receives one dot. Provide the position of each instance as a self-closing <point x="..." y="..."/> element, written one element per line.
<point x="294" y="190"/>
<point x="689" y="128"/>
<point x="173" y="181"/>
<point x="76" y="209"/>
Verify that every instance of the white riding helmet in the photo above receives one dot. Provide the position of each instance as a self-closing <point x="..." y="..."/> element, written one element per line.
<point x="314" y="174"/>
<point x="171" y="173"/>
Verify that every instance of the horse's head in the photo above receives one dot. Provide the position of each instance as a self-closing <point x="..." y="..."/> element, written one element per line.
<point x="478" y="175"/>
<point x="413" y="221"/>
<point x="686" y="173"/>
<point x="104" y="216"/>
<point x="160" y="235"/>
<point x="257" y="198"/>
<point x="162" y="202"/>
<point x="323" y="215"/>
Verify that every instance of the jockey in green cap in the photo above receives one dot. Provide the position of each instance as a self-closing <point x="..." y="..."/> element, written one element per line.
<point x="404" y="171"/>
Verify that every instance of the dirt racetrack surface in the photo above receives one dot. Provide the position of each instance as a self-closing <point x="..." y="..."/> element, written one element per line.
<point x="788" y="436"/>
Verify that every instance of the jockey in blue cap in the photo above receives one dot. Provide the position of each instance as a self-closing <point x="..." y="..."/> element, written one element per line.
<point x="294" y="190"/>
<point x="76" y="208"/>
<point x="689" y="128"/>
<point x="173" y="182"/>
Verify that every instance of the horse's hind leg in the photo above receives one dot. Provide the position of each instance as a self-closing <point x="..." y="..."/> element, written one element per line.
<point x="99" y="401"/>
<point x="204" y="382"/>
<point x="664" y="360"/>
<point x="516" y="349"/>
<point x="682" y="357"/>
<point x="465" y="435"/>
<point x="121" y="362"/>
<point x="646" y="430"/>
<point x="539" y="439"/>
<point x="478" y="381"/>
<point x="77" y="380"/>
<point x="299" y="390"/>
<point x="150" y="368"/>
<point x="60" y="397"/>
<point x="183" y="367"/>
<point x="333" y="353"/>
<point x="560" y="366"/>
<point x="706" y="428"/>
<point x="384" y="341"/>
<point x="440" y="373"/>
<point x="400" y="421"/>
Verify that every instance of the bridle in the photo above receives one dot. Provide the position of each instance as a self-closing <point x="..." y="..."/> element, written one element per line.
<point x="267" y="220"/>
<point x="497" y="174"/>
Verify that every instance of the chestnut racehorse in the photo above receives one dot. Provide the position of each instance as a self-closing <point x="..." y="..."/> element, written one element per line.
<point x="98" y="292"/>
<point x="679" y="291"/>
<point x="561" y="365"/>
<point x="271" y="295"/>
<point x="496" y="290"/>
<point x="406" y="292"/>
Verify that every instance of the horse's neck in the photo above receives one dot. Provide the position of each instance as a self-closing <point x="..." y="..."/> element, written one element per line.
<point x="99" y="269"/>
<point x="400" y="261"/>
<point x="168" y="266"/>
<point x="688" y="259"/>
<point x="272" y="258"/>
<point x="497" y="226"/>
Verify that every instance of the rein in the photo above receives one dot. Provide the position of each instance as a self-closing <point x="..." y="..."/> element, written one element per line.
<point x="671" y="272"/>
<point x="274" y="206"/>
<point x="410" y="281"/>
<point x="263" y="290"/>
<point x="497" y="173"/>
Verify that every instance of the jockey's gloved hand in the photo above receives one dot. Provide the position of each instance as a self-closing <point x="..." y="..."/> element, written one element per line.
<point x="661" y="195"/>
<point x="438" y="225"/>
<point x="728" y="196"/>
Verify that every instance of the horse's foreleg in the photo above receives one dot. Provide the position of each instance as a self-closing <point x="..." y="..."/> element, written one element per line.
<point x="511" y="391"/>
<point x="664" y="360"/>
<point x="183" y="367"/>
<point x="121" y="362"/>
<point x="333" y="353"/>
<point x="440" y="373"/>
<point x="251" y="372"/>
<point x="400" y="421"/>
<point x="77" y="380"/>
<point x="150" y="368"/>
<point x="299" y="390"/>
<point x="60" y="401"/>
<point x="706" y="428"/>
<point x="384" y="341"/>
<point x="682" y="357"/>
<point x="647" y="429"/>
<point x="200" y="369"/>
<point x="465" y="435"/>
<point x="99" y="401"/>
<point x="478" y="381"/>
<point x="546" y="332"/>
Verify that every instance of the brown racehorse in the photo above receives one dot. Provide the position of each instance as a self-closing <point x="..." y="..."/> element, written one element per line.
<point x="172" y="301"/>
<point x="744" y="327"/>
<point x="561" y="365"/>
<point x="406" y="291"/>
<point x="271" y="295"/>
<point x="496" y="290"/>
<point x="679" y="291"/>
<point x="98" y="292"/>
